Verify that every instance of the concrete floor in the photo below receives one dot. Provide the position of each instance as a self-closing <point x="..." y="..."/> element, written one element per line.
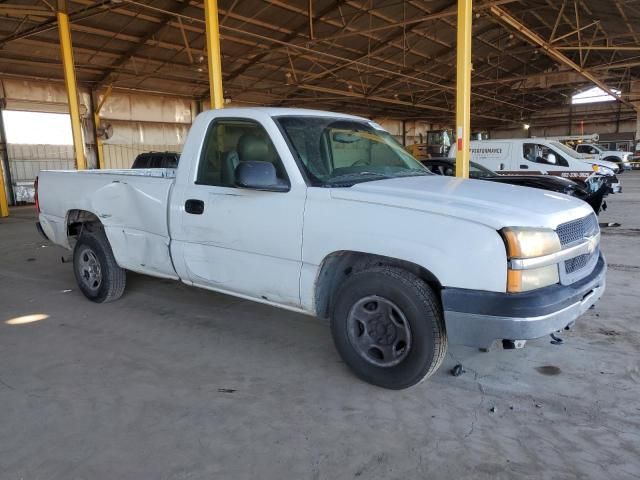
<point x="172" y="382"/>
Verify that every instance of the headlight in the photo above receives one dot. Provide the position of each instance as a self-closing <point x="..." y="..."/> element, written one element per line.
<point x="602" y="170"/>
<point x="525" y="280"/>
<point x="530" y="242"/>
<point x="525" y="243"/>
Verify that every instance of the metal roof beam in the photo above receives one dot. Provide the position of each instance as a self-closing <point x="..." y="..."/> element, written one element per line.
<point x="51" y="24"/>
<point x="143" y="40"/>
<point x="504" y="17"/>
<point x="25" y="10"/>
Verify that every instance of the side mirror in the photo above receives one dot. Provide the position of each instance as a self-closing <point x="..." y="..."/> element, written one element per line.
<point x="259" y="176"/>
<point x="551" y="158"/>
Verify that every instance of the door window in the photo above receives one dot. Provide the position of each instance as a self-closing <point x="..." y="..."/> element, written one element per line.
<point x="537" y="153"/>
<point x="587" y="149"/>
<point x="229" y="142"/>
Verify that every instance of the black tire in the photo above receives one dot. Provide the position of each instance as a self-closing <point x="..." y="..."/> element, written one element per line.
<point x="98" y="275"/>
<point x="413" y="307"/>
<point x="617" y="161"/>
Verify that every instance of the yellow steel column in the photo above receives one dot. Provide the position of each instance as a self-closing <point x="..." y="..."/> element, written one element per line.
<point x="463" y="88"/>
<point x="4" y="174"/>
<point x="4" y="207"/>
<point x="66" y="50"/>
<point x="213" y="53"/>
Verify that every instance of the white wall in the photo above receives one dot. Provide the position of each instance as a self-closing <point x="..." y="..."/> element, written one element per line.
<point x="140" y="122"/>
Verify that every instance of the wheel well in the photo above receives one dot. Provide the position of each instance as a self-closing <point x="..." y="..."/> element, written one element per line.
<point x="613" y="159"/>
<point x="77" y="220"/>
<point x="338" y="266"/>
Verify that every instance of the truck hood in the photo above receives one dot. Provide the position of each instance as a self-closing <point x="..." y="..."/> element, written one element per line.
<point x="603" y="163"/>
<point x="492" y="204"/>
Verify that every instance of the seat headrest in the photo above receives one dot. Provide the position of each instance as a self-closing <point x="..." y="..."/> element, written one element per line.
<point x="252" y="148"/>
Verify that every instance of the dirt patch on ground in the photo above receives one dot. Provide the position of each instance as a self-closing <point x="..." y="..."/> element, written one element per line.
<point x="550" y="370"/>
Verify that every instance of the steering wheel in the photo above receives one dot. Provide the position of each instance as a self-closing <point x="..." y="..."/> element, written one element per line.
<point x="359" y="163"/>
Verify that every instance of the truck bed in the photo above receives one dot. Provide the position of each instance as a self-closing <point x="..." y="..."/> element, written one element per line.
<point x="130" y="172"/>
<point x="131" y="204"/>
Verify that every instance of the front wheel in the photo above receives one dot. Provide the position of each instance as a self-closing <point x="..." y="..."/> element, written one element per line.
<point x="98" y="275"/>
<point x="388" y="328"/>
<point x="617" y="161"/>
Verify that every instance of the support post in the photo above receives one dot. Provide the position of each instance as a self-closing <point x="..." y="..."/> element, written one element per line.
<point x="463" y="88"/>
<point x="570" y="119"/>
<point x="66" y="52"/>
<point x="404" y="133"/>
<point x="5" y="174"/>
<point x="213" y="53"/>
<point x="4" y="205"/>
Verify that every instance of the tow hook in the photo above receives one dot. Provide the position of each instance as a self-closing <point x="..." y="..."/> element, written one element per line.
<point x="513" y="344"/>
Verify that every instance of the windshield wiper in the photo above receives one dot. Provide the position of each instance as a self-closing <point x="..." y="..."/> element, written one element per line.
<point x="411" y="173"/>
<point x="355" y="176"/>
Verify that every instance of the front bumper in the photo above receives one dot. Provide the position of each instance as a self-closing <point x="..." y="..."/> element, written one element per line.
<point x="614" y="184"/>
<point x="477" y="318"/>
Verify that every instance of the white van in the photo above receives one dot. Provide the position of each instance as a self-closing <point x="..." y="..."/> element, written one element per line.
<point x="534" y="156"/>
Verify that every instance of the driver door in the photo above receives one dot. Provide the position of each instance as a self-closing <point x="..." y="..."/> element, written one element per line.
<point x="239" y="240"/>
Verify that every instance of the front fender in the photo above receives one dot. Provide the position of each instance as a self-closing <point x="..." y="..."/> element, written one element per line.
<point x="459" y="253"/>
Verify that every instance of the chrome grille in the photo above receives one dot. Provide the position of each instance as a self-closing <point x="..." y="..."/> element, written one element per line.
<point x="574" y="232"/>
<point x="581" y="261"/>
<point x="577" y="230"/>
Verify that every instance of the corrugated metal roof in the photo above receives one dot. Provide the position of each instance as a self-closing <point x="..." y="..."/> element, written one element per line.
<point x="393" y="58"/>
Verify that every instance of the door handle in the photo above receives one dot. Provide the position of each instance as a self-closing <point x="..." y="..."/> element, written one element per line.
<point x="524" y="166"/>
<point x="193" y="206"/>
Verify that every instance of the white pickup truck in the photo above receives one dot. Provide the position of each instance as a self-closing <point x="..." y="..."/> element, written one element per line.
<point x="326" y="214"/>
<point x="592" y="151"/>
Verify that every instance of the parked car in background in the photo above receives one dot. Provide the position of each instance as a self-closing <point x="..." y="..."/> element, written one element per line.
<point x="326" y="214"/>
<point x="157" y="160"/>
<point x="591" y="150"/>
<point x="595" y="198"/>
<point x="537" y="156"/>
<point x="635" y="161"/>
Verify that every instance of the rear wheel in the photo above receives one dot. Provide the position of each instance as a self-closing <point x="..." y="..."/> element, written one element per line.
<point x="387" y="326"/>
<point x="98" y="275"/>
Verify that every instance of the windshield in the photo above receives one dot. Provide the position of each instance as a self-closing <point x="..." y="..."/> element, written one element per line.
<point x="337" y="152"/>
<point x="478" y="171"/>
<point x="569" y="151"/>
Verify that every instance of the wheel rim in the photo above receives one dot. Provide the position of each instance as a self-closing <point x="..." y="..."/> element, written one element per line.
<point x="379" y="331"/>
<point x="89" y="268"/>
